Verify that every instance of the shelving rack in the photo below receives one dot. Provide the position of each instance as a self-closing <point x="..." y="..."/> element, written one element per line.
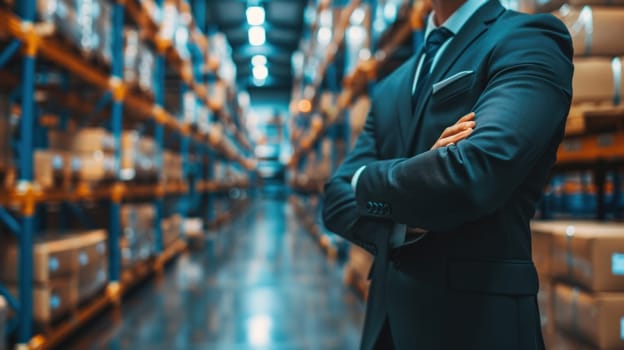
<point x="198" y="151"/>
<point x="318" y="123"/>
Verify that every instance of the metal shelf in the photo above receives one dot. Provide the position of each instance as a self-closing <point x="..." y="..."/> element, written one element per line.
<point x="31" y="43"/>
<point x="129" y="279"/>
<point x="357" y="81"/>
<point x="63" y="56"/>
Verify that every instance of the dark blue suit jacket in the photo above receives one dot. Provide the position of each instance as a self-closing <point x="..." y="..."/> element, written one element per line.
<point x="470" y="283"/>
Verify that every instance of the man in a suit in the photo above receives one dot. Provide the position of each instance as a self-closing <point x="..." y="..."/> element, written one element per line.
<point x="449" y="226"/>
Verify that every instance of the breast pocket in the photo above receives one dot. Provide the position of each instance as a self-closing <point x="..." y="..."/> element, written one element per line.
<point x="453" y="86"/>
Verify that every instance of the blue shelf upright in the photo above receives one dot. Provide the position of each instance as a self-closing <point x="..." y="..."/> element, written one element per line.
<point x="116" y="128"/>
<point x="159" y="138"/>
<point x="25" y="184"/>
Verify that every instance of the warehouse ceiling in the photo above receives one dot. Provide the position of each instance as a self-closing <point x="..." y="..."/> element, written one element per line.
<point x="283" y="25"/>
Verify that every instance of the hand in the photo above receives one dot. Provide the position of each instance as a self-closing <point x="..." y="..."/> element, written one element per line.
<point x="453" y="134"/>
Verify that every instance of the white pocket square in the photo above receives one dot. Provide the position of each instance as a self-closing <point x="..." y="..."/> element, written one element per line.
<point x="441" y="84"/>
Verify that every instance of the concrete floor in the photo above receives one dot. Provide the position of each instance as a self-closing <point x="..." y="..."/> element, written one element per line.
<point x="262" y="283"/>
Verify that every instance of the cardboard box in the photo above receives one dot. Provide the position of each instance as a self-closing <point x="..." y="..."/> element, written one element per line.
<point x="4" y="311"/>
<point x="545" y="301"/>
<point x="595" y="80"/>
<point x="562" y="341"/>
<point x="596" y="31"/>
<point x="53" y="300"/>
<point x="588" y="253"/>
<point x="541" y="244"/>
<point x="54" y="256"/>
<point x="50" y="168"/>
<point x="579" y="3"/>
<point x="91" y="249"/>
<point x="597" y="318"/>
<point x="92" y="140"/>
<point x="171" y="229"/>
<point x="92" y="280"/>
<point x="96" y="167"/>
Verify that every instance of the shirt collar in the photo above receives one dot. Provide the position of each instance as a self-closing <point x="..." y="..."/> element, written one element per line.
<point x="457" y="20"/>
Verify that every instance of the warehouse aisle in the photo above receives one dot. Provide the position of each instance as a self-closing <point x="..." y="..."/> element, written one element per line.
<point x="263" y="284"/>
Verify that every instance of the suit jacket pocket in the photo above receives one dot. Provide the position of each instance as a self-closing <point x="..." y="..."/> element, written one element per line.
<point x="453" y="86"/>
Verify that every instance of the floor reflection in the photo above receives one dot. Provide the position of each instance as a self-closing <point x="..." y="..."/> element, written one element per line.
<point x="261" y="284"/>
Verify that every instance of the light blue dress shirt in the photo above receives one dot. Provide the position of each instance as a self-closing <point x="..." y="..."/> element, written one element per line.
<point x="454" y="24"/>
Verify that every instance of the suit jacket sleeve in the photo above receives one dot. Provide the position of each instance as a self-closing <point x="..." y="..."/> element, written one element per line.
<point x="519" y="116"/>
<point x="340" y="213"/>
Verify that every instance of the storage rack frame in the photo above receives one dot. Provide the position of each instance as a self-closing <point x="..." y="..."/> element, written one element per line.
<point x="26" y="196"/>
<point x="355" y="83"/>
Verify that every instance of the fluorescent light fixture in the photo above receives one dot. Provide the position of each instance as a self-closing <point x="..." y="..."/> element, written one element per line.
<point x="356" y="35"/>
<point x="358" y="16"/>
<point x="257" y="36"/>
<point x="259" y="330"/>
<point x="255" y="15"/>
<point x="259" y="60"/>
<point x="260" y="72"/>
<point x="324" y="35"/>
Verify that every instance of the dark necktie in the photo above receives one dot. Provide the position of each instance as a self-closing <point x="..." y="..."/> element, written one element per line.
<point x="435" y="40"/>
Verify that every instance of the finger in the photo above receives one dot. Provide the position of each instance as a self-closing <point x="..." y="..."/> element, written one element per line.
<point x="454" y="138"/>
<point x="458" y="137"/>
<point x="467" y="117"/>
<point x="457" y="128"/>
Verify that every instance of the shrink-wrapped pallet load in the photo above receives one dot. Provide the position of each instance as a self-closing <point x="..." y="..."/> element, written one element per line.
<point x="596" y="318"/>
<point x="598" y="80"/>
<point x="93" y="265"/>
<point x="53" y="300"/>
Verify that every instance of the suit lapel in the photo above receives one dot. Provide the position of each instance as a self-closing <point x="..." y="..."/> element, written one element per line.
<point x="473" y="29"/>
<point x="404" y="100"/>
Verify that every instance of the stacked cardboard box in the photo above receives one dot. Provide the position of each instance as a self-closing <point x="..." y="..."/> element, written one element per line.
<point x="86" y="24"/>
<point x="172" y="167"/>
<point x="88" y="155"/>
<point x="138" y="157"/>
<point x="137" y="222"/>
<point x="171" y="229"/>
<point x="139" y="61"/>
<point x="92" y="265"/>
<point x="597" y="83"/>
<point x="53" y="169"/>
<point x="4" y="310"/>
<point x="62" y="266"/>
<point x="87" y="152"/>
<point x="585" y="273"/>
<point x="542" y="251"/>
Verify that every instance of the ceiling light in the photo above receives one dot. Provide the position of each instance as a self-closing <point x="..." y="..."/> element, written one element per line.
<point x="259" y="60"/>
<point x="255" y="15"/>
<point x="358" y="16"/>
<point x="260" y="72"/>
<point x="258" y="82"/>
<point x="257" y="36"/>
<point x="324" y="35"/>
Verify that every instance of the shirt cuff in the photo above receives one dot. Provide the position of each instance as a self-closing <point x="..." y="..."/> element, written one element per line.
<point x="356" y="177"/>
